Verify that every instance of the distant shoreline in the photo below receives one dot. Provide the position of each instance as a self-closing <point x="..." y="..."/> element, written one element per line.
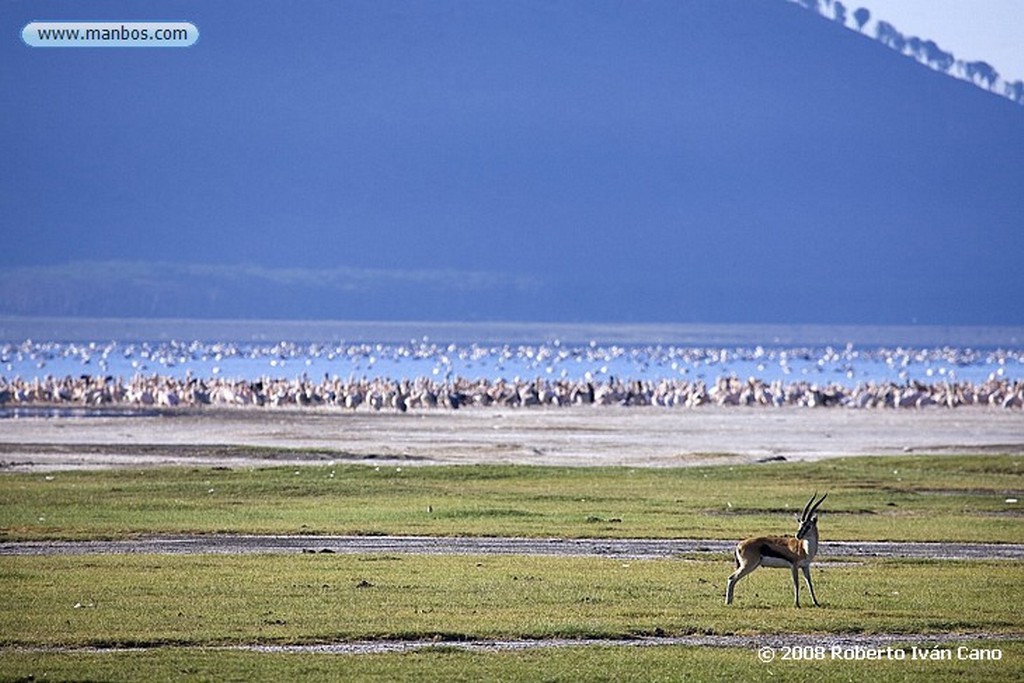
<point x="571" y="436"/>
<point x="14" y="329"/>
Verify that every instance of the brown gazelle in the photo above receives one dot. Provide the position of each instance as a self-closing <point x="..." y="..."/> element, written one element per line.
<point x="793" y="552"/>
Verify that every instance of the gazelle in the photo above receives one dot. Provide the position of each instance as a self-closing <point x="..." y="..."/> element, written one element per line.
<point x="794" y="552"/>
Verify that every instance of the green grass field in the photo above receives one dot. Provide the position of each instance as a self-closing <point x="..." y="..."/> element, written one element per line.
<point x="907" y="498"/>
<point x="180" y="609"/>
<point x="135" y="601"/>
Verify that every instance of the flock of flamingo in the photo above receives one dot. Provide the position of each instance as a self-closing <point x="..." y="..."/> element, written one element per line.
<point x="425" y="375"/>
<point x="377" y="394"/>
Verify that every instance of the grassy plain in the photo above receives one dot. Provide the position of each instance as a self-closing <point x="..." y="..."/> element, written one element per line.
<point x="181" y="609"/>
<point x="921" y="498"/>
<point x="148" y="600"/>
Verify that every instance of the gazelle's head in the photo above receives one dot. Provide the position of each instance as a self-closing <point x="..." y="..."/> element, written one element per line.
<point x="807" y="519"/>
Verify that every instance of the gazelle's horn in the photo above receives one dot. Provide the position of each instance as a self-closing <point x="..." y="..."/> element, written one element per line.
<point x="803" y="515"/>
<point x="815" y="506"/>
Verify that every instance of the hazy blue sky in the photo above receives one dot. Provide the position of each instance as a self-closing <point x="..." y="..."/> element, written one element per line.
<point x="568" y="160"/>
<point x="987" y="30"/>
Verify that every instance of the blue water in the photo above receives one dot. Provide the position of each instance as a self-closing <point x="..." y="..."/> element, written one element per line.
<point x="819" y="355"/>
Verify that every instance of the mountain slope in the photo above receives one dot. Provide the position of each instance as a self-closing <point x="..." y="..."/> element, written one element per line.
<point x="724" y="161"/>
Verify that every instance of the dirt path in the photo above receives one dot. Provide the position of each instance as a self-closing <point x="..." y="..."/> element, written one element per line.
<point x="775" y="643"/>
<point x="631" y="548"/>
<point x="771" y="645"/>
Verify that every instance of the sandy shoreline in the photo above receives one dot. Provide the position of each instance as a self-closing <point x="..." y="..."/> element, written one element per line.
<point x="636" y="437"/>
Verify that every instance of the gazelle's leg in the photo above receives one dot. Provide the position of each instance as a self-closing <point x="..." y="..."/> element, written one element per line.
<point x="740" y="572"/>
<point x="810" y="586"/>
<point x="796" y="587"/>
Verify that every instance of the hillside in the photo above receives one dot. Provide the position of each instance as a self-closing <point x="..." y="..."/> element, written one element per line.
<point x="723" y="161"/>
